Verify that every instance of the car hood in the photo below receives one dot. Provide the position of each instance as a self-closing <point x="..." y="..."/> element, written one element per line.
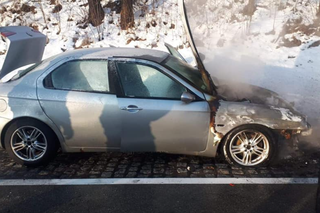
<point x="24" y="46"/>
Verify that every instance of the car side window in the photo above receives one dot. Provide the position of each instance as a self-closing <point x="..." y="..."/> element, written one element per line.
<point x="90" y="76"/>
<point x="143" y="81"/>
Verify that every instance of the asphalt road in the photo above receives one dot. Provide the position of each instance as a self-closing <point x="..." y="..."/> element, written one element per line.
<point x="159" y="198"/>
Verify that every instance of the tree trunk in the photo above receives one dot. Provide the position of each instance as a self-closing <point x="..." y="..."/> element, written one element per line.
<point x="127" y="16"/>
<point x="96" y="13"/>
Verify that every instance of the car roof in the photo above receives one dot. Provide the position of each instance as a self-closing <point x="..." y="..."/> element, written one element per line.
<point x="116" y="52"/>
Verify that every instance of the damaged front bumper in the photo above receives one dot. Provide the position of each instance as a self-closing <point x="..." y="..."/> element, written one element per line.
<point x="306" y="132"/>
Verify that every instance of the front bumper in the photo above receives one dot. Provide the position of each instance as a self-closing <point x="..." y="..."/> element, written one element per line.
<point x="307" y="132"/>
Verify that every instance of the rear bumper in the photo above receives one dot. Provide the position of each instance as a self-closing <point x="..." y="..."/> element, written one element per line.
<point x="3" y="123"/>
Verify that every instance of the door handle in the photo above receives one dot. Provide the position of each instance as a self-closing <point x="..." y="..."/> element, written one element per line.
<point x="131" y="108"/>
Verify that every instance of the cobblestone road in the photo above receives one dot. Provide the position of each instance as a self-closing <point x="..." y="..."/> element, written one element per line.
<point x="150" y="165"/>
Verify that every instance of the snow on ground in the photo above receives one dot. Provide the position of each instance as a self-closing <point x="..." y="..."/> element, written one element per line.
<point x="151" y="31"/>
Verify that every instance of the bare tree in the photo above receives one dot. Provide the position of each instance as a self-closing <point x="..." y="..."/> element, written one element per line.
<point x="96" y="12"/>
<point x="43" y="13"/>
<point x="127" y="16"/>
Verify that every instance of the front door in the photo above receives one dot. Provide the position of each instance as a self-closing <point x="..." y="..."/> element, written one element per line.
<point x="78" y="98"/>
<point x="153" y="116"/>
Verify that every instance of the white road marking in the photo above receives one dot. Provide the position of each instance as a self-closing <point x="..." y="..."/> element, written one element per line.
<point x="155" y="181"/>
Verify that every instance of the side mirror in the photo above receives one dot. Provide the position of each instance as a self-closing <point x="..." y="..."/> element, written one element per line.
<point x="187" y="97"/>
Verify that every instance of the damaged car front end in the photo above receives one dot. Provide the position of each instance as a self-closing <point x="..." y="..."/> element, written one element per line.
<point x="247" y="121"/>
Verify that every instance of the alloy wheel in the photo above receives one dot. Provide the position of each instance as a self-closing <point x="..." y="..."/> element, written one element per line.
<point x="28" y="143"/>
<point x="249" y="147"/>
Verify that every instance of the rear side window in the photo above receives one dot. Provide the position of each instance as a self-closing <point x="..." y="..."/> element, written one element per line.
<point x="90" y="76"/>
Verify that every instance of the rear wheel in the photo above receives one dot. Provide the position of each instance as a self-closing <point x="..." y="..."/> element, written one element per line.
<point x="30" y="142"/>
<point x="250" y="146"/>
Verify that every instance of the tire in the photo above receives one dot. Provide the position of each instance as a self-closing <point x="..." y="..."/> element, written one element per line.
<point x="250" y="146"/>
<point x="38" y="142"/>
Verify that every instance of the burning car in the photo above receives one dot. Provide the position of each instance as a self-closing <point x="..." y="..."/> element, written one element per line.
<point x="130" y="100"/>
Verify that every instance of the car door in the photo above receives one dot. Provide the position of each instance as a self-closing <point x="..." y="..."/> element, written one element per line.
<point x="78" y="97"/>
<point x="153" y="116"/>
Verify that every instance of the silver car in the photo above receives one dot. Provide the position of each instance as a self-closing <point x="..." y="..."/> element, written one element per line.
<point x="133" y="100"/>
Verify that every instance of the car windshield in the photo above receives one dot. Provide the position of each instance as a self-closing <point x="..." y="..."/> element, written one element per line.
<point x="187" y="72"/>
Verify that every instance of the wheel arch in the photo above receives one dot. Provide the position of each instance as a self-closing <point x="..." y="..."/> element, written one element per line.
<point x="4" y="130"/>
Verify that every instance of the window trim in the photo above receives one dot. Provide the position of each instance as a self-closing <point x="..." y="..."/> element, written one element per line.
<point x="48" y="84"/>
<point x="121" y="93"/>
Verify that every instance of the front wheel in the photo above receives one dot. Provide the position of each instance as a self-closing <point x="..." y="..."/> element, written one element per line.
<point x="30" y="142"/>
<point x="250" y="146"/>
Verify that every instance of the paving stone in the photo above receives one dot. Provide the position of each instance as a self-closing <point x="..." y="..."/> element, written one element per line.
<point x="196" y="166"/>
<point x="182" y="170"/>
<point x="195" y="161"/>
<point x="221" y="165"/>
<point x="106" y="174"/>
<point x="121" y="171"/>
<point x="122" y="166"/>
<point x="119" y="175"/>
<point x="223" y="172"/>
<point x="237" y="172"/>
<point x="182" y="175"/>
<point x="98" y="168"/>
<point x="180" y="164"/>
<point x="197" y="171"/>
<point x="93" y="172"/>
<point x="251" y="172"/>
<point x="59" y="169"/>
<point x="146" y="167"/>
<point x="81" y="174"/>
<point x="43" y="173"/>
<point x="85" y="168"/>
<point x="146" y="171"/>
<point x="69" y="172"/>
<point x="131" y="174"/>
<point x="107" y="165"/>
<point x="9" y="173"/>
<point x="172" y="162"/>
<point x="208" y="171"/>
<point x="133" y="169"/>
<point x="160" y="161"/>
<point x="102" y="162"/>
<point x="158" y="170"/>
<point x="109" y="169"/>
<point x="124" y="162"/>
<point x="264" y="171"/>
<point x="233" y="167"/>
<point x="89" y="162"/>
<point x="170" y="171"/>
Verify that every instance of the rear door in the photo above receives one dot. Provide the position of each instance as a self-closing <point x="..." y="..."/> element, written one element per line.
<point x="79" y="98"/>
<point x="152" y="114"/>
